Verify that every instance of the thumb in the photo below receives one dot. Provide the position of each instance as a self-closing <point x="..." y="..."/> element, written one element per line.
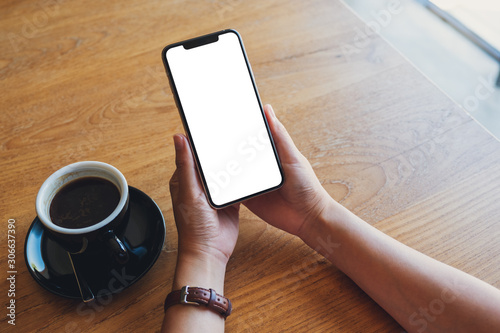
<point x="185" y="175"/>
<point x="287" y="150"/>
<point x="181" y="158"/>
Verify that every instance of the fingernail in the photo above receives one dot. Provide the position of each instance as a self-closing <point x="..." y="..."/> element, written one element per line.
<point x="271" y="110"/>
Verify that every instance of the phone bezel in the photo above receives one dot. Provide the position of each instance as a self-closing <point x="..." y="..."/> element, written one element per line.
<point x="197" y="42"/>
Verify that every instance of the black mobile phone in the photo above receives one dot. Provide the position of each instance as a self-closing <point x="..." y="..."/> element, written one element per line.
<point x="215" y="92"/>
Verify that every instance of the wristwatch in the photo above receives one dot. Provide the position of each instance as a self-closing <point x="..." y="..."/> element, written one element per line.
<point x="200" y="296"/>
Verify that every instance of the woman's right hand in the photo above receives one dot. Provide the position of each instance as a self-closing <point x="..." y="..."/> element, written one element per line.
<point x="300" y="201"/>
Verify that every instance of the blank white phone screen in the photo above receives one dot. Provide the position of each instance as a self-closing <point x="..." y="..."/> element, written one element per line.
<point x="224" y="118"/>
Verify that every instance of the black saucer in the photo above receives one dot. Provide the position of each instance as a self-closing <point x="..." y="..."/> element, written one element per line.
<point x="143" y="236"/>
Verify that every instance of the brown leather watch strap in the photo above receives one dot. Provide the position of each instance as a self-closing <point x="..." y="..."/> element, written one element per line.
<point x="200" y="296"/>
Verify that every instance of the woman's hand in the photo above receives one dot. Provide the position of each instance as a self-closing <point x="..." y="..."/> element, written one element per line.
<point x="301" y="199"/>
<point x="206" y="241"/>
<point x="203" y="231"/>
<point x="206" y="236"/>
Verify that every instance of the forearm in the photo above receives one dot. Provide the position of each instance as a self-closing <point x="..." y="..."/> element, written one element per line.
<point x="196" y="271"/>
<point x="421" y="293"/>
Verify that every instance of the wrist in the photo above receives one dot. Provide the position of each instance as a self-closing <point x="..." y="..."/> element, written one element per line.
<point x="314" y="233"/>
<point x="199" y="270"/>
<point x="195" y="270"/>
<point x="315" y="224"/>
<point x="192" y="249"/>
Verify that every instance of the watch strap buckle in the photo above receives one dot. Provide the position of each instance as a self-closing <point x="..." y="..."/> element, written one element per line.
<point x="184" y="294"/>
<point x="199" y="296"/>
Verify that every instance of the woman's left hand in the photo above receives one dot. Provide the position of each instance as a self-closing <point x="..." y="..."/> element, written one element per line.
<point x="204" y="232"/>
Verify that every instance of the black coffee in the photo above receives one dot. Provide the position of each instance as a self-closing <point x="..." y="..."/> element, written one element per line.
<point x="84" y="202"/>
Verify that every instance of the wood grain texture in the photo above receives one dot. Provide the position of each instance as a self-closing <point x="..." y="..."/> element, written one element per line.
<point x="84" y="81"/>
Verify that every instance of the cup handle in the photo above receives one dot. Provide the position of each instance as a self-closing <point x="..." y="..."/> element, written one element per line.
<point x="119" y="250"/>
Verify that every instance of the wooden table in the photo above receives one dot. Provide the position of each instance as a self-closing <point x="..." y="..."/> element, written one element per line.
<point x="84" y="81"/>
